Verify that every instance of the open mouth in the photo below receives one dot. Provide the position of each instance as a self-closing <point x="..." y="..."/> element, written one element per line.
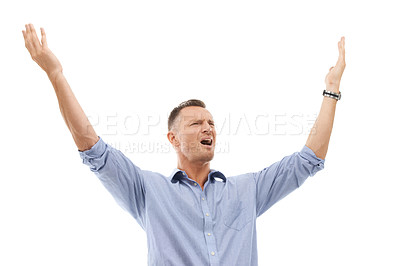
<point x="207" y="142"/>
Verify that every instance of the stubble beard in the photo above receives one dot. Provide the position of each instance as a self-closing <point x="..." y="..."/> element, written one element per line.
<point x="198" y="153"/>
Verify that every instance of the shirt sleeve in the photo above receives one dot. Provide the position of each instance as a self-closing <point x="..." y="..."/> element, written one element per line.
<point x="119" y="175"/>
<point x="276" y="181"/>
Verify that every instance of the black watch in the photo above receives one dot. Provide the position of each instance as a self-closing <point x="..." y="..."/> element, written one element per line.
<point x="332" y="94"/>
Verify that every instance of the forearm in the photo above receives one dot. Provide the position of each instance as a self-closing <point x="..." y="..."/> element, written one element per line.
<point x="318" y="140"/>
<point x="78" y="124"/>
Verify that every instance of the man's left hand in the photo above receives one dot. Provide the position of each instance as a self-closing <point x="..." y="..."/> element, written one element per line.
<point x="332" y="79"/>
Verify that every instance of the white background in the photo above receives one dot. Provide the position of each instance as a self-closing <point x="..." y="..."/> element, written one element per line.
<point x="245" y="59"/>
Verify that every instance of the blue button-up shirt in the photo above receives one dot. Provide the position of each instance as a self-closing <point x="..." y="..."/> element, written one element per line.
<point x="186" y="225"/>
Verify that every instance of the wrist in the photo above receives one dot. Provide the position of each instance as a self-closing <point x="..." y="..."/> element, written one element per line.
<point x="334" y="89"/>
<point x="53" y="75"/>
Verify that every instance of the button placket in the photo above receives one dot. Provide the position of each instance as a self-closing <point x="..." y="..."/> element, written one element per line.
<point x="208" y="231"/>
<point x="208" y="223"/>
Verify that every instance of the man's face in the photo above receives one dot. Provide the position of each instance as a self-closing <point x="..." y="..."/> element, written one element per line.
<point x="194" y="134"/>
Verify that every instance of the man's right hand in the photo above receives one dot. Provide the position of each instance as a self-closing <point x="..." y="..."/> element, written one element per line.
<point x="40" y="52"/>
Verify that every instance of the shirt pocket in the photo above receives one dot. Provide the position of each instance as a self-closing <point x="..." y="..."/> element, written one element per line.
<point x="237" y="215"/>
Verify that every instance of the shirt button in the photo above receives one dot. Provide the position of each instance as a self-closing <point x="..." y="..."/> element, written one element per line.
<point x="207" y="214"/>
<point x="202" y="198"/>
<point x="209" y="234"/>
<point x="212" y="253"/>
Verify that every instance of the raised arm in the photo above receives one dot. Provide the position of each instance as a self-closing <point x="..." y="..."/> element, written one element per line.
<point x="77" y="122"/>
<point x="320" y="134"/>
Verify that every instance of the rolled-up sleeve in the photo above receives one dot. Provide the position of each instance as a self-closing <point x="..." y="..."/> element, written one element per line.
<point x="276" y="181"/>
<point x="119" y="175"/>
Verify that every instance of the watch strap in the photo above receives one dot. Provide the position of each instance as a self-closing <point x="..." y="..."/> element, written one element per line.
<point x="332" y="94"/>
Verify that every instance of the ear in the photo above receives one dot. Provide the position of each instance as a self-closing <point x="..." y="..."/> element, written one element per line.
<point x="172" y="138"/>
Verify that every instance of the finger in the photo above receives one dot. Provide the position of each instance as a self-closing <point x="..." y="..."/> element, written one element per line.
<point x="34" y="34"/>
<point x="44" y="39"/>
<point x="331" y="68"/>
<point x="29" y="40"/>
<point x="341" y="59"/>
<point x="28" y="36"/>
<point x="28" y="30"/>
<point x="35" y="39"/>
<point x="341" y="47"/>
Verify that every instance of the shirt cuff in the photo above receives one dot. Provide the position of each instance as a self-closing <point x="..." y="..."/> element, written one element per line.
<point x="95" y="151"/>
<point x="308" y="154"/>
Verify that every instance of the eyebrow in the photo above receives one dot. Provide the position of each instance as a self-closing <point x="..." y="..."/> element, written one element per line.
<point x="200" y="120"/>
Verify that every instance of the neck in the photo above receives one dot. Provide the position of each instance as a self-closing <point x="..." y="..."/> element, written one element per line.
<point x="198" y="171"/>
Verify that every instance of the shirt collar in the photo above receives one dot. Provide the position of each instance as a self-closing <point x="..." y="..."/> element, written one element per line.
<point x="177" y="174"/>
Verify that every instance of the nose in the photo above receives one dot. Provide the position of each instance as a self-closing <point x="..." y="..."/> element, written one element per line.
<point x="207" y="128"/>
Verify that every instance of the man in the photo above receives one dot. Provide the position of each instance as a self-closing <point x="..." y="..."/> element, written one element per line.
<point x="195" y="216"/>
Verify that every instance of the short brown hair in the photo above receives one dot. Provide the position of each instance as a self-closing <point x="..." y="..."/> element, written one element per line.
<point x="175" y="112"/>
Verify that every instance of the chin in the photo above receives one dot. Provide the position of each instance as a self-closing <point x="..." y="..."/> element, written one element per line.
<point x="205" y="158"/>
<point x="209" y="158"/>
